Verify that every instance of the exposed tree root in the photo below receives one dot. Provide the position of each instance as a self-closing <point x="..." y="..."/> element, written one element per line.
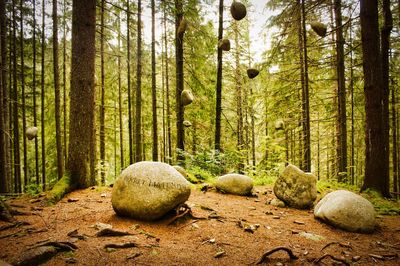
<point x="344" y="245"/>
<point x="123" y="245"/>
<point x="332" y="257"/>
<point x="112" y="232"/>
<point x="62" y="187"/>
<point x="266" y="254"/>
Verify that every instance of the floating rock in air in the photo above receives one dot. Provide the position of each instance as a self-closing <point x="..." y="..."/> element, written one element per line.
<point x="296" y="188"/>
<point x="182" y="26"/>
<point x="224" y="44"/>
<point x="31" y="132"/>
<point x="187" y="123"/>
<point x="235" y="184"/>
<point x="186" y="97"/>
<point x="148" y="190"/>
<point x="252" y="73"/>
<point x="279" y="125"/>
<point x="238" y="10"/>
<point x="319" y="28"/>
<point x="346" y="210"/>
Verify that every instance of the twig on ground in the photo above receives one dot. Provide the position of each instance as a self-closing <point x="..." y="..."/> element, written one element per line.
<point x="123" y="245"/>
<point x="266" y="254"/>
<point x="344" y="245"/>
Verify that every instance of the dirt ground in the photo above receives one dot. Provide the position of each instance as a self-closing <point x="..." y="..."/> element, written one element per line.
<point x="230" y="230"/>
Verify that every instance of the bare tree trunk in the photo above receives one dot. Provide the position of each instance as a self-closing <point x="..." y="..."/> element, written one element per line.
<point x="305" y="98"/>
<point x="34" y="93"/>
<point x="102" y="107"/>
<point x="130" y="117"/>
<point x="376" y="165"/>
<point x="138" y="113"/>
<point x="22" y="76"/>
<point x="180" y="135"/>
<point x="3" y="102"/>
<point x="56" y="72"/>
<point x="340" y="70"/>
<point x="65" y="122"/>
<point x="153" y="82"/>
<point x="218" y="108"/>
<point x="121" y="129"/>
<point x="42" y="97"/>
<point x="169" y="138"/>
<point x="394" y="144"/>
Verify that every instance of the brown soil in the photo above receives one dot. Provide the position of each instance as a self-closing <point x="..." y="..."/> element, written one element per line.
<point x="220" y="239"/>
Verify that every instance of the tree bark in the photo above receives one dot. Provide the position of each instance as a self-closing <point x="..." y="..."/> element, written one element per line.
<point x="138" y="113"/>
<point x="57" y="97"/>
<point x="102" y="107"/>
<point x="82" y="141"/>
<point x="65" y="81"/>
<point x="218" y="108"/>
<point x="130" y="117"/>
<point x="37" y="179"/>
<point x="167" y="92"/>
<point x="376" y="167"/>
<point x="3" y="106"/>
<point x="341" y="81"/>
<point x="180" y="135"/>
<point x="153" y="82"/>
<point x="121" y="129"/>
<point x="42" y="98"/>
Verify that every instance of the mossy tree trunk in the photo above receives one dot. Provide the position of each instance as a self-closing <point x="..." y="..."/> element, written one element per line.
<point x="82" y="141"/>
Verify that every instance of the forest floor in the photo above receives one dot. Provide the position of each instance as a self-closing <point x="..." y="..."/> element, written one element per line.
<point x="223" y="230"/>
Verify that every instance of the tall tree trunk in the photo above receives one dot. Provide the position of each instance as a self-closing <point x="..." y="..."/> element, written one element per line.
<point x="352" y="168"/>
<point x="167" y="92"/>
<point x="376" y="165"/>
<point x="394" y="144"/>
<point x="102" y="107"/>
<point x="153" y="82"/>
<point x="37" y="179"/>
<point x="239" y="100"/>
<point x="121" y="129"/>
<point x="180" y="134"/>
<point x="16" y="146"/>
<point x="305" y="97"/>
<point x="340" y="70"/>
<point x="57" y="101"/>
<point x="65" y="122"/>
<point x="218" y="107"/>
<point x="3" y="102"/>
<point x="128" y="48"/>
<point x="82" y="140"/>
<point x="42" y="97"/>
<point x="22" y="76"/>
<point x="385" y="47"/>
<point x="138" y="113"/>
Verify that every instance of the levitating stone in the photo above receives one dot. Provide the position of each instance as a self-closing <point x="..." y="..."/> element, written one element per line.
<point x="279" y="125"/>
<point x="346" y="210"/>
<point x="296" y="188"/>
<point x="187" y="123"/>
<point x="31" y="132"/>
<point x="182" y="26"/>
<point x="186" y="97"/>
<point x="238" y="10"/>
<point x="252" y="73"/>
<point x="319" y="28"/>
<point x="148" y="190"/>
<point x="224" y="44"/>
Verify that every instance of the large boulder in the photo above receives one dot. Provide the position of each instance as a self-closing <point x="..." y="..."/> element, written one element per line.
<point x="148" y="190"/>
<point x="296" y="188"/>
<point x="235" y="184"/>
<point x="346" y="210"/>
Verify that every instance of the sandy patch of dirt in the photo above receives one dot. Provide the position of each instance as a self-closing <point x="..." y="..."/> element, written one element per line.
<point x="233" y="230"/>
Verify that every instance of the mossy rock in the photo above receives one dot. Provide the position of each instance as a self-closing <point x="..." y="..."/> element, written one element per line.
<point x="148" y="190"/>
<point x="238" y="10"/>
<point x="187" y="123"/>
<point x="236" y="184"/>
<point x="279" y="125"/>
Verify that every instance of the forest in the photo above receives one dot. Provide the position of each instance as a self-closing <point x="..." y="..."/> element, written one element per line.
<point x="321" y="92"/>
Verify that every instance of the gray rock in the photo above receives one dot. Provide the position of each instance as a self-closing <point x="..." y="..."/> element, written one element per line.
<point x="277" y="203"/>
<point x="181" y="170"/>
<point x="346" y="210"/>
<point x="235" y="184"/>
<point x="296" y="188"/>
<point x="148" y="190"/>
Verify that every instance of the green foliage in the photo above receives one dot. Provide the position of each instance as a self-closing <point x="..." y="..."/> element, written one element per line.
<point x="33" y="189"/>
